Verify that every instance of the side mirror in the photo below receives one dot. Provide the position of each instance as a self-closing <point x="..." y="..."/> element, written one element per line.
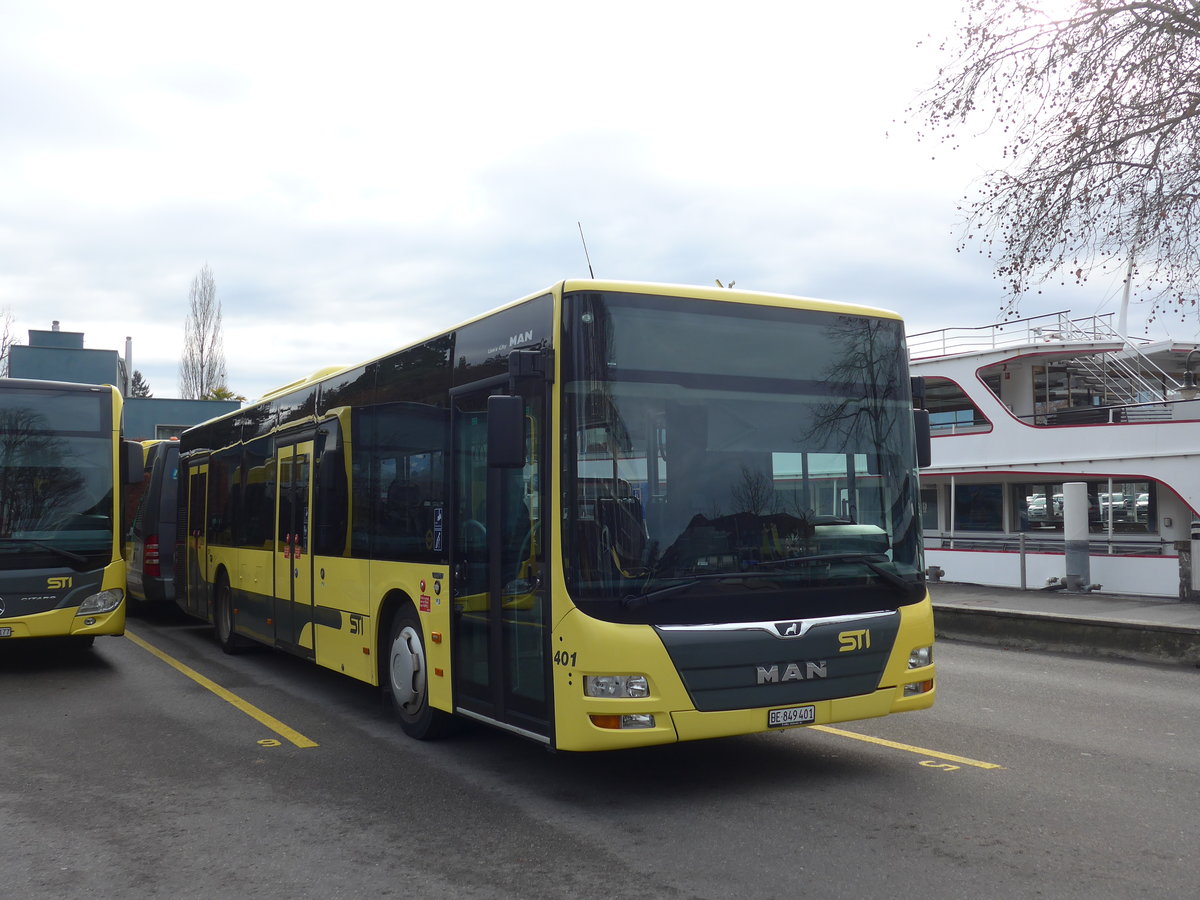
<point x="133" y="466"/>
<point x="506" y="432"/>
<point x="924" y="441"/>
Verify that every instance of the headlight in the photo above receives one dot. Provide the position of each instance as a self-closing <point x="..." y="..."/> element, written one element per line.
<point x="615" y="686"/>
<point x="103" y="602"/>
<point x="920" y="658"/>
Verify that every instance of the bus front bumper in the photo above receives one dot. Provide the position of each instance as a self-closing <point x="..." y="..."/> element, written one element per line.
<point x="605" y="732"/>
<point x="63" y="623"/>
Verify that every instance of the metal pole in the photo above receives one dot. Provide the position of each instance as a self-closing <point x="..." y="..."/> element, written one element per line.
<point x="1021" y="546"/>
<point x="1075" y="536"/>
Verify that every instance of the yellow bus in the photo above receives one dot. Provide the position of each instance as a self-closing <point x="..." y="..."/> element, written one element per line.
<point x="606" y="515"/>
<point x="62" y="467"/>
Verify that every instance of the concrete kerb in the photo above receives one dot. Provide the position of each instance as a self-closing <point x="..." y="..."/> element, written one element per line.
<point x="1142" y="642"/>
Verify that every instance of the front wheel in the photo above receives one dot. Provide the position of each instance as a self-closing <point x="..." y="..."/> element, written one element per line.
<point x="408" y="679"/>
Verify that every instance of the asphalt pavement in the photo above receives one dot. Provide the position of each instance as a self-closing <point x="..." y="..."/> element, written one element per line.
<point x="1146" y="629"/>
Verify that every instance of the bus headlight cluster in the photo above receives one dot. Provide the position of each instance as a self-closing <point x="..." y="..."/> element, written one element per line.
<point x="103" y="602"/>
<point x="920" y="658"/>
<point x="625" y="686"/>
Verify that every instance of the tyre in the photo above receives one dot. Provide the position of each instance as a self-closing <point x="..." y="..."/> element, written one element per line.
<point x="407" y="681"/>
<point x="230" y="641"/>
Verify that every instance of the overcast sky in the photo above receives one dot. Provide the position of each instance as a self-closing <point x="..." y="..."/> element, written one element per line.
<point x="362" y="174"/>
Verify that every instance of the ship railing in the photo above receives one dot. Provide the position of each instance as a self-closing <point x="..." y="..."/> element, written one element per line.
<point x="1109" y="414"/>
<point x="1053" y="327"/>
<point x="1128" y="377"/>
<point x="1023" y="542"/>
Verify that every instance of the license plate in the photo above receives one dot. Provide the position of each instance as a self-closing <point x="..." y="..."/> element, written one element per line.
<point x="5" y="632"/>
<point x="791" y="715"/>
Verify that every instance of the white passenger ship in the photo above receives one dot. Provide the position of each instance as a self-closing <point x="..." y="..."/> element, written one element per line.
<point x="1019" y="409"/>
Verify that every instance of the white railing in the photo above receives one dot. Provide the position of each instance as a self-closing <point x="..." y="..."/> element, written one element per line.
<point x="1047" y="328"/>
<point x="1128" y="377"/>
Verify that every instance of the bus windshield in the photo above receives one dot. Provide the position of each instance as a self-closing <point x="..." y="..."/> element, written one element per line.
<point x="56" y="480"/>
<point x="736" y="462"/>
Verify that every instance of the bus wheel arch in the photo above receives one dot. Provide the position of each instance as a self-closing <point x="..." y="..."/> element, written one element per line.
<point x="404" y="674"/>
<point x="222" y="615"/>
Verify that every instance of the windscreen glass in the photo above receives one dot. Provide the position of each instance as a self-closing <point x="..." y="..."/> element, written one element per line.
<point x="736" y="462"/>
<point x="56" y="481"/>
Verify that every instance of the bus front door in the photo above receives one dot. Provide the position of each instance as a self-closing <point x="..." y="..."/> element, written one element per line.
<point x="196" y="551"/>
<point x="293" y="614"/>
<point x="501" y="611"/>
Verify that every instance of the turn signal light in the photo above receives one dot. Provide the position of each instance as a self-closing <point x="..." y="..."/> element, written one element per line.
<point x="917" y="687"/>
<point x="638" y="720"/>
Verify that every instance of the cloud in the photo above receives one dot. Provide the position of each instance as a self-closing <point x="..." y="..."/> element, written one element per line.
<point x="362" y="176"/>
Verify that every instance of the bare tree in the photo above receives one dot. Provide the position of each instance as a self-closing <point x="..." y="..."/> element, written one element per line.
<point x="8" y="337"/>
<point x="202" y="370"/>
<point x="1100" y="113"/>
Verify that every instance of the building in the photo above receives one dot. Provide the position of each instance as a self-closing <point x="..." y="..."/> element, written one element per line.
<point x="57" y="355"/>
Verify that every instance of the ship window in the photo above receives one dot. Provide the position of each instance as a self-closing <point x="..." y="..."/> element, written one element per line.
<point x="951" y="411"/>
<point x="929" y="508"/>
<point x="978" y="507"/>
<point x="1129" y="507"/>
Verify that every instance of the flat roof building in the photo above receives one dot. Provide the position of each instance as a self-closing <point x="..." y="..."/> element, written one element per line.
<point x="57" y="355"/>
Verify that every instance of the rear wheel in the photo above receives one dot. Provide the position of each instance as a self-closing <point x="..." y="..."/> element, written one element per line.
<point x="407" y="679"/>
<point x="230" y="641"/>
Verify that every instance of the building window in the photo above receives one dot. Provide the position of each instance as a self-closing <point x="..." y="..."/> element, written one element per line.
<point x="166" y="432"/>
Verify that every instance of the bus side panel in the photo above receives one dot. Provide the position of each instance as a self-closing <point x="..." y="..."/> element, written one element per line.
<point x="343" y="629"/>
<point x="419" y="582"/>
<point x="252" y="579"/>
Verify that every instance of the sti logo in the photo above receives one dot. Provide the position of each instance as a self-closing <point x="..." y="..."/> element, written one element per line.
<point x="59" y="583"/>
<point x="849" y="641"/>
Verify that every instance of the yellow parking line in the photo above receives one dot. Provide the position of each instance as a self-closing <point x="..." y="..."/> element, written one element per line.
<point x="909" y="748"/>
<point x="233" y="699"/>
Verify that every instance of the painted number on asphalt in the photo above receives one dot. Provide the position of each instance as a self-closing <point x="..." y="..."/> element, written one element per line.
<point x="933" y="764"/>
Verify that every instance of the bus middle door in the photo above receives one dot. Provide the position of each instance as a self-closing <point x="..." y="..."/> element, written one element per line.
<point x="196" y="600"/>
<point x="293" y="560"/>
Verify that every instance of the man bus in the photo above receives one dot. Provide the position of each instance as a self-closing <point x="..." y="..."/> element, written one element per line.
<point x="62" y="465"/>
<point x="606" y="515"/>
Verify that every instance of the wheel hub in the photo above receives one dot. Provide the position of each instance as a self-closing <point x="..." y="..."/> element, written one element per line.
<point x="408" y="668"/>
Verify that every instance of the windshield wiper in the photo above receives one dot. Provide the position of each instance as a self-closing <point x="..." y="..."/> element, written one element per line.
<point x="633" y="601"/>
<point x="50" y="548"/>
<point x="870" y="560"/>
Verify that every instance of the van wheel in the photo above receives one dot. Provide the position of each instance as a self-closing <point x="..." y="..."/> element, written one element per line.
<point x="230" y="641"/>
<point x="407" y="680"/>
